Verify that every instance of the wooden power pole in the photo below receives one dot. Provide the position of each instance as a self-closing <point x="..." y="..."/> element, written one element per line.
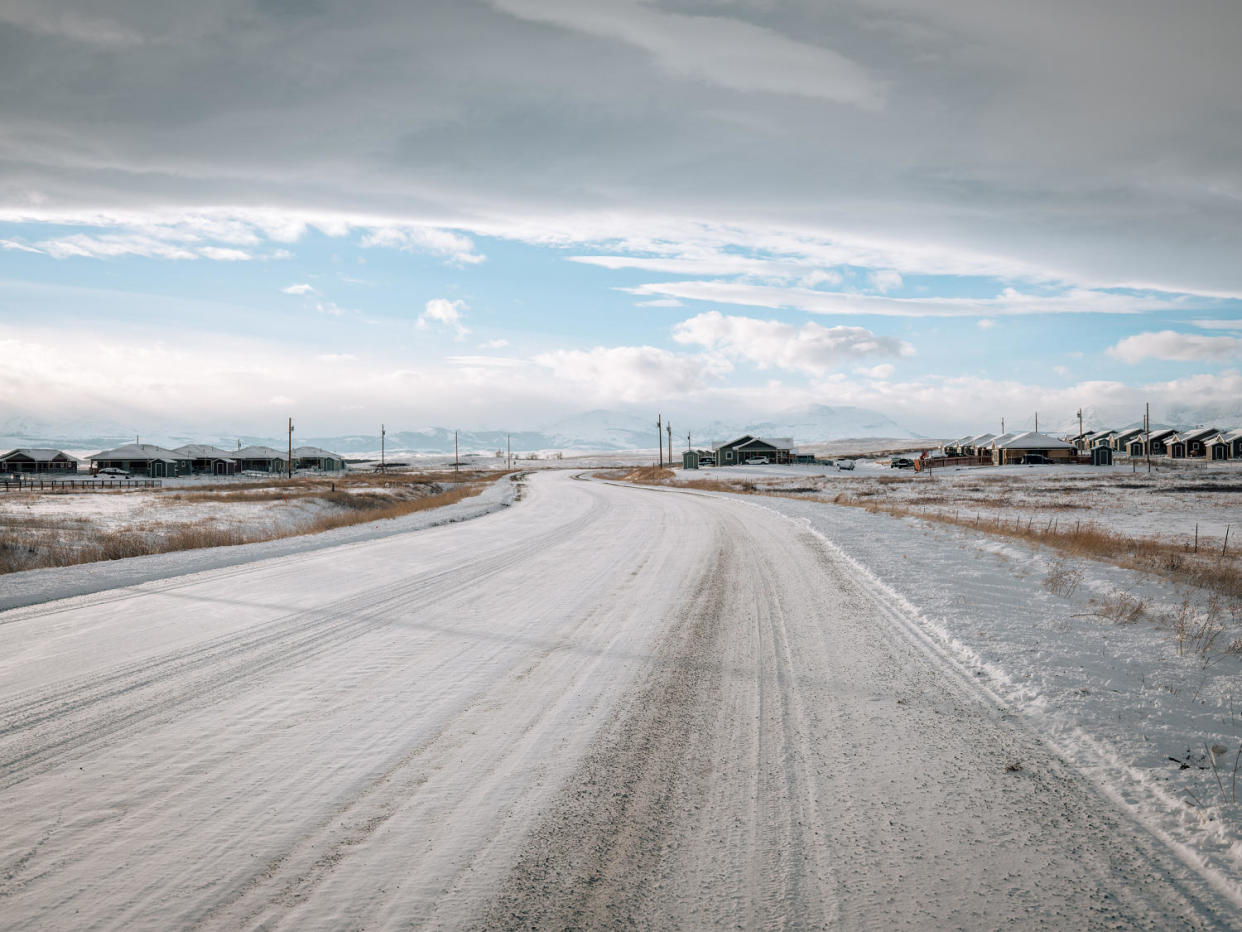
<point x="289" y="465"/>
<point x="456" y="458"/>
<point x="668" y="426"/>
<point x="660" y="437"/>
<point x="383" y="433"/>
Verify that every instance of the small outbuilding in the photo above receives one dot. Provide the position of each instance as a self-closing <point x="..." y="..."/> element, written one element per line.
<point x="38" y="461"/>
<point x="690" y="459"/>
<point x="1102" y="456"/>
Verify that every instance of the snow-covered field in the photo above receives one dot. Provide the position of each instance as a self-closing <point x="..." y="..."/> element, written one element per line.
<point x="612" y="706"/>
<point x="42" y="528"/>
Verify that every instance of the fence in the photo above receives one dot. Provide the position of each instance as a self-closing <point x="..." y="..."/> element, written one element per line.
<point x="84" y="485"/>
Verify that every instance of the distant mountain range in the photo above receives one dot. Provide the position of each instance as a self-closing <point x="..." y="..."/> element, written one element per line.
<point x="591" y="431"/>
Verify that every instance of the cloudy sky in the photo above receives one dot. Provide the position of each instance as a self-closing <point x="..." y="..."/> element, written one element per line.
<point x="495" y="213"/>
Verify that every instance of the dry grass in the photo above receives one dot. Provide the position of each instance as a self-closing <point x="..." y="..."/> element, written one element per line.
<point x="33" y="543"/>
<point x="1206" y="570"/>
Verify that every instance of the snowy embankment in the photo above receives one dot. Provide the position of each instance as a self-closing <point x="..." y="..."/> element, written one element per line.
<point x="42" y="585"/>
<point x="1155" y="720"/>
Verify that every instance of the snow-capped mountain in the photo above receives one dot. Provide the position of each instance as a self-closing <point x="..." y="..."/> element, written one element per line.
<point x="601" y="430"/>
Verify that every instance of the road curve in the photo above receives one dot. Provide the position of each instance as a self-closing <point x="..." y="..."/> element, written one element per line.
<point x="606" y="707"/>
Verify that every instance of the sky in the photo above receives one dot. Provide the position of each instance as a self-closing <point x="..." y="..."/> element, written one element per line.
<point x="497" y="213"/>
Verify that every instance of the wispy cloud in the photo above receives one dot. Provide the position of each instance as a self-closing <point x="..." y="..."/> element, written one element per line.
<point x="1009" y="302"/>
<point x="299" y="289"/>
<point x="1177" y="347"/>
<point x="723" y="51"/>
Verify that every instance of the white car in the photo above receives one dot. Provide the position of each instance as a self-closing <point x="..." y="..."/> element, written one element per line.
<point x="111" y="472"/>
<point x="845" y="464"/>
<point x="757" y="461"/>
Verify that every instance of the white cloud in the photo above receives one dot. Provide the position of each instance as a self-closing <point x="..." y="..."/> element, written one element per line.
<point x="412" y="238"/>
<point x="329" y="308"/>
<point x="1235" y="324"/>
<point x="222" y="254"/>
<point x="1179" y="347"/>
<point x="494" y="344"/>
<point x="810" y="348"/>
<point x="445" y="313"/>
<point x="114" y="245"/>
<point x="882" y="371"/>
<point x="985" y="323"/>
<point x="817" y="277"/>
<point x="335" y="357"/>
<point x="722" y="51"/>
<point x="299" y="289"/>
<point x="884" y="280"/>
<point x="18" y="247"/>
<point x="487" y="362"/>
<point x="631" y="374"/>
<point x="1061" y="370"/>
<point x="1009" y="302"/>
<point x="660" y="302"/>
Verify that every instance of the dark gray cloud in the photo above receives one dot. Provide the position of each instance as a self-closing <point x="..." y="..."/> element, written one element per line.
<point x="1101" y="142"/>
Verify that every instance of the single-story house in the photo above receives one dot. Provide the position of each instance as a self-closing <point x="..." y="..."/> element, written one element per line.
<point x="209" y="459"/>
<point x="1010" y="450"/>
<point x="261" y="459"/>
<point x="1191" y="443"/>
<point x="1121" y="439"/>
<point x="144" y="459"/>
<point x="315" y="458"/>
<point x="37" y="460"/>
<point x="1225" y="445"/>
<point x="1159" y="441"/>
<point x="748" y="446"/>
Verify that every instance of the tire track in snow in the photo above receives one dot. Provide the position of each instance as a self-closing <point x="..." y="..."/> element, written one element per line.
<point x="74" y="716"/>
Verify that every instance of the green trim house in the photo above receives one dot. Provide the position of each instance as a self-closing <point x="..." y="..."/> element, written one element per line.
<point x="748" y="446"/>
<point x="39" y="461"/>
<point x="144" y="459"/>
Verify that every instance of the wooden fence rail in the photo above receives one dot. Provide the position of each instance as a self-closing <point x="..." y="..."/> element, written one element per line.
<point x="81" y="485"/>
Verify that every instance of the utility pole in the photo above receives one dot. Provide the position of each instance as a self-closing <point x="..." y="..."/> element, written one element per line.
<point x="456" y="458"/>
<point x="668" y="425"/>
<point x="383" y="433"/>
<point x="1147" y="424"/>
<point x="290" y="463"/>
<point x="687" y="441"/>
<point x="1036" y="422"/>
<point x="508" y="454"/>
<point x="660" y="437"/>
<point x="1080" y="425"/>
<point x="1002" y="427"/>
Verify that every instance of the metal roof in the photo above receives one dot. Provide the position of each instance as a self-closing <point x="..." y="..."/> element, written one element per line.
<point x="38" y="454"/>
<point x="1030" y="440"/>
<point x="259" y="453"/>
<point x="142" y="451"/>
<point x="205" y="451"/>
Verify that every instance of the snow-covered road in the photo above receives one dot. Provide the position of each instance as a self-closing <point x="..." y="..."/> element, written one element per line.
<point x="605" y="707"/>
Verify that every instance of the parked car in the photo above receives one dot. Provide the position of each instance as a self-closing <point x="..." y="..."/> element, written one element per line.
<point x="707" y="461"/>
<point x="845" y="464"/>
<point x="900" y="462"/>
<point x="757" y="461"/>
<point x="112" y="472"/>
<point x="1036" y="459"/>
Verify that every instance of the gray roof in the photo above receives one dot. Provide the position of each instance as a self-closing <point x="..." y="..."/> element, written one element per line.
<point x="778" y="443"/>
<point x="1030" y="440"/>
<point x="1197" y="433"/>
<point x="38" y="454"/>
<point x="307" y="452"/>
<point x="259" y="453"/>
<point x="205" y="451"/>
<point x="142" y="451"/>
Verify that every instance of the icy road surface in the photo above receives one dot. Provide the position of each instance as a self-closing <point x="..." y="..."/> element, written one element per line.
<point x="605" y="707"/>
